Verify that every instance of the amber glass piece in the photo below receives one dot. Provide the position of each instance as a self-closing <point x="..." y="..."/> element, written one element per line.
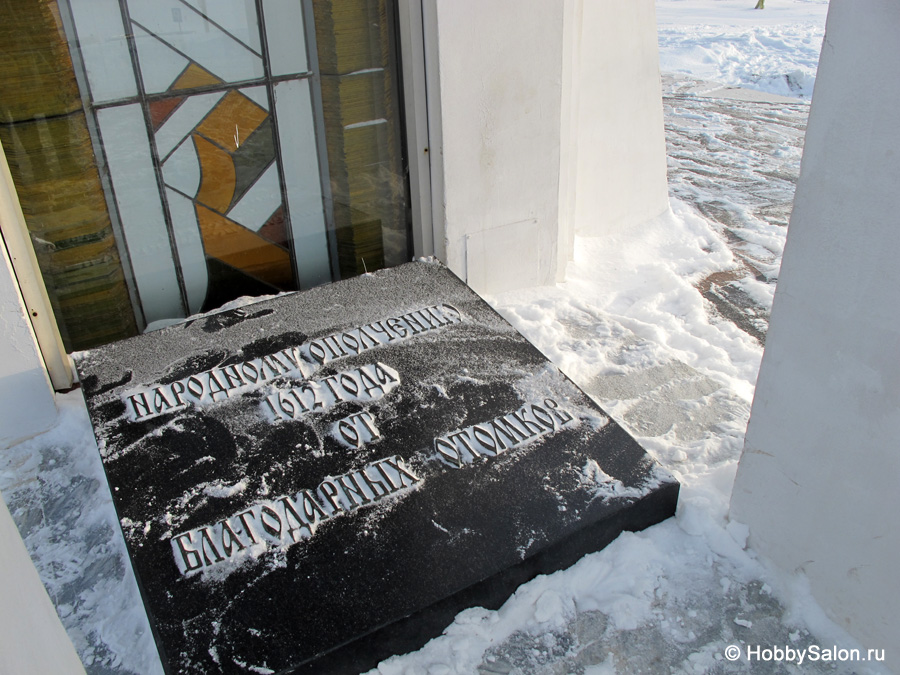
<point x="217" y="171"/>
<point x="194" y="76"/>
<point x="247" y="251"/>
<point x="232" y="121"/>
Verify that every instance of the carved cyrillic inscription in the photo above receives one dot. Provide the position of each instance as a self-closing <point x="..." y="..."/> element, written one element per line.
<point x="356" y="430"/>
<point x="285" y="521"/>
<point x="224" y="382"/>
<point x="366" y="383"/>
<point x="214" y="385"/>
<point x="500" y="434"/>
<point x="355" y="341"/>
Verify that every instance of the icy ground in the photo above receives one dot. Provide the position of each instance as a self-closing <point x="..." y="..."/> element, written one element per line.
<point x="663" y="327"/>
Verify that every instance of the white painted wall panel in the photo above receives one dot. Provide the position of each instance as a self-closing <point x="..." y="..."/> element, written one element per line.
<point x="550" y="123"/>
<point x="499" y="71"/>
<point x="817" y="482"/>
<point x="619" y="134"/>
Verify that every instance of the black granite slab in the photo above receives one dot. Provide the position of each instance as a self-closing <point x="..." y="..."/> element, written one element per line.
<point x="315" y="482"/>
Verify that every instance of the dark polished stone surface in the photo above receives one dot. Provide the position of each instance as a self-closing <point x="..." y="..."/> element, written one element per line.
<point x="315" y="482"/>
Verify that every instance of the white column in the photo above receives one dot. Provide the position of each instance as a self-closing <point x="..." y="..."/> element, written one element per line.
<point x="550" y="118"/>
<point x="818" y="479"/>
<point x="499" y="68"/>
<point x="618" y="134"/>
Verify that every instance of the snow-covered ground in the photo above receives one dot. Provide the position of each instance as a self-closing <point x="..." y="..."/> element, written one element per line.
<point x="663" y="326"/>
<point x="774" y="50"/>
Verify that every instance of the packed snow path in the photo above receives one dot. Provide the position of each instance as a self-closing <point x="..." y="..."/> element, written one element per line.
<point x="736" y="161"/>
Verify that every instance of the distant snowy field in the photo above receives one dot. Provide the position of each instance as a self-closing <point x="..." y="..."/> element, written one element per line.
<point x="775" y="49"/>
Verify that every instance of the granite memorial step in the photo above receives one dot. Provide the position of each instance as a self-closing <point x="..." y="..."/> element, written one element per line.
<point x="312" y="483"/>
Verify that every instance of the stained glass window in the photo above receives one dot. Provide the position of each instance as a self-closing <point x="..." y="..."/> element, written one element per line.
<point x="228" y="148"/>
<point x="207" y="211"/>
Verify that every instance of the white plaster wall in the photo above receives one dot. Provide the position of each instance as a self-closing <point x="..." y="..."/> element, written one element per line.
<point x="819" y="479"/>
<point x="499" y="66"/>
<point x="619" y="134"/>
<point x="32" y="639"/>
<point x="27" y="406"/>
<point x="550" y="118"/>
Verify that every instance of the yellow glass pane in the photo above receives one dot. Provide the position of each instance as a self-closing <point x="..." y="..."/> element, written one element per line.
<point x="217" y="175"/>
<point x="232" y="121"/>
<point x="194" y="76"/>
<point x="245" y="250"/>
